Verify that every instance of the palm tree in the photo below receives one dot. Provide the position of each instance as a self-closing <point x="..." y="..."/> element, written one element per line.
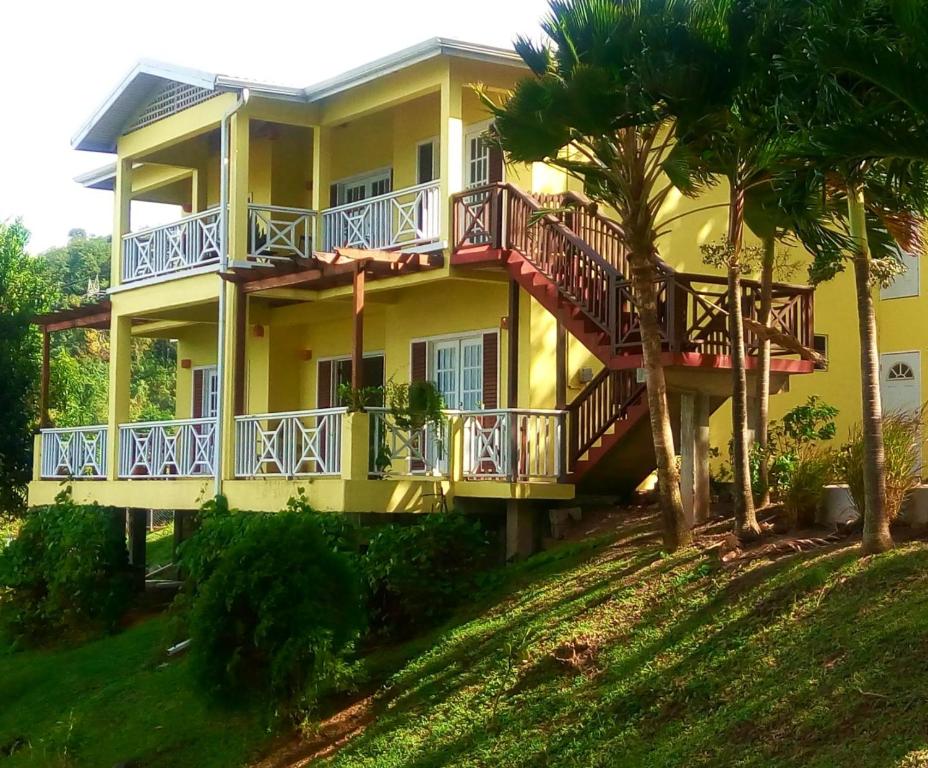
<point x="853" y="78"/>
<point x="603" y="103"/>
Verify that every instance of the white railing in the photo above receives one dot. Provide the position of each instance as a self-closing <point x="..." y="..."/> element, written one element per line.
<point x="78" y="452"/>
<point x="166" y="449"/>
<point x="191" y="242"/>
<point x="293" y="444"/>
<point x="512" y="444"/>
<point x="404" y="218"/>
<point x="422" y="451"/>
<point x="275" y="230"/>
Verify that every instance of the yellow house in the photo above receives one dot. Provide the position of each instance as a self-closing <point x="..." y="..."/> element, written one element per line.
<point x="360" y="230"/>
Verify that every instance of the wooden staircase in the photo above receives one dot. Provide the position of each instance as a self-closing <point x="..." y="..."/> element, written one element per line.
<point x="572" y="261"/>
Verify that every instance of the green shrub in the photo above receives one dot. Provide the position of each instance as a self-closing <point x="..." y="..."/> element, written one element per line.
<point x="66" y="570"/>
<point x="902" y="447"/>
<point x="802" y="489"/>
<point x="417" y="573"/>
<point x="271" y="602"/>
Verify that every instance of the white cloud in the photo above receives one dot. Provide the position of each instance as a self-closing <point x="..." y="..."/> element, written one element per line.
<point x="59" y="61"/>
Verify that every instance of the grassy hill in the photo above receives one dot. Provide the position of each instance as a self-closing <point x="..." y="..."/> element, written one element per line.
<point x="598" y="653"/>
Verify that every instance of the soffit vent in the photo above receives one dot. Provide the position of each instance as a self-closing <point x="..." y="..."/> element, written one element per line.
<point x="168" y="100"/>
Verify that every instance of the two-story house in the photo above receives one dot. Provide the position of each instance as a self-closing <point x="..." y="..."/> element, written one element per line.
<point x="361" y="230"/>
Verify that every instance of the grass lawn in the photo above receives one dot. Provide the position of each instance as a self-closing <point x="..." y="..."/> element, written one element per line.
<point x="613" y="655"/>
<point x="159" y="547"/>
<point x="114" y="700"/>
<point x="598" y="653"/>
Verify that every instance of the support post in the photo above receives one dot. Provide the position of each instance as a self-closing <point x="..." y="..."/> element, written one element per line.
<point x="357" y="343"/>
<point x="122" y="218"/>
<point x="694" y="450"/>
<point x="512" y="393"/>
<point x="186" y="522"/>
<point x="522" y="529"/>
<point x="120" y="371"/>
<point x="451" y="141"/>
<point x="560" y="393"/>
<point x="43" y="390"/>
<point x="138" y="528"/>
<point x="240" y="334"/>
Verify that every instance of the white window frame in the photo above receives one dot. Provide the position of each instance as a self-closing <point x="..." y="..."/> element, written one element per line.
<point x="431" y="341"/>
<point x="473" y="131"/>
<point x="368" y="179"/>
<point x="210" y="373"/>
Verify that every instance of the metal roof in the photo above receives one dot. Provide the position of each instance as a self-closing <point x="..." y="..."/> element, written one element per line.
<point x="142" y="83"/>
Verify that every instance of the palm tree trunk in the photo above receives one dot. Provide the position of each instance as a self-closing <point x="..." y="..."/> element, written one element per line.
<point x="762" y="395"/>
<point x="743" y="497"/>
<point x="876" y="537"/>
<point x="677" y="530"/>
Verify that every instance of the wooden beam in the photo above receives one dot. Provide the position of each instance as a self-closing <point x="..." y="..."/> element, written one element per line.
<point x="285" y="280"/>
<point x="99" y="320"/>
<point x="357" y="346"/>
<point x="44" y="421"/>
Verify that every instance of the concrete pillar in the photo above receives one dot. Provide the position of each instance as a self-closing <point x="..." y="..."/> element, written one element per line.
<point x="522" y="529"/>
<point x="694" y="453"/>
<point x="138" y="529"/>
<point x="120" y="371"/>
<point x="121" y="217"/>
<point x="356" y="441"/>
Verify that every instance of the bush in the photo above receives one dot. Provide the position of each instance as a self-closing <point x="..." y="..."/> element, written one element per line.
<point x="417" y="573"/>
<point x="67" y="569"/>
<point x="902" y="446"/>
<point x="802" y="490"/>
<point x="271" y="602"/>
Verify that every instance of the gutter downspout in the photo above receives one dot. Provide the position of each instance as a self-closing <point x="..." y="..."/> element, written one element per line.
<point x="223" y="266"/>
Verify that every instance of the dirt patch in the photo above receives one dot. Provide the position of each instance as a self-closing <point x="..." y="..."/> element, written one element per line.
<point x="298" y="749"/>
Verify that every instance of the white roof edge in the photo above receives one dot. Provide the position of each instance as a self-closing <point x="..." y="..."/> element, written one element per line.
<point x="146" y="67"/>
<point x="414" y="54"/>
<point x="97" y="175"/>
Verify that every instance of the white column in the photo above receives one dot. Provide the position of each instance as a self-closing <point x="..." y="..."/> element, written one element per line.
<point x="694" y="454"/>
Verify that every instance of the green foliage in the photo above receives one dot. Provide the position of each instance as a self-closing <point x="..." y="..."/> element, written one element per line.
<point x="417" y="573"/>
<point x="902" y="449"/>
<point x="357" y="399"/>
<point x="66" y="570"/>
<point x="24" y="292"/>
<point x="273" y="603"/>
<point x="415" y="405"/>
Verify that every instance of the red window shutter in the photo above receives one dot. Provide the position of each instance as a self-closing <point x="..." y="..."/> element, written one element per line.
<point x="324" y="384"/>
<point x="419" y="358"/>
<point x="491" y="370"/>
<point x="418" y="372"/>
<point x="197" y="407"/>
<point x="496" y="164"/>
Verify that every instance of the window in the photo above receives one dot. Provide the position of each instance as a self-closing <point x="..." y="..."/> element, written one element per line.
<point x="205" y="392"/>
<point x="483" y="163"/>
<point x="820" y="345"/>
<point x="373" y="375"/>
<point x="362" y="187"/>
<point x="901" y="372"/>
<point x="905" y="284"/>
<point x="425" y="162"/>
<point x="457" y="370"/>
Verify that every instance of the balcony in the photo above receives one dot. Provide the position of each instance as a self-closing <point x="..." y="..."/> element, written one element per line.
<point x="511" y="445"/>
<point x="186" y="246"/>
<point x="405" y="218"/>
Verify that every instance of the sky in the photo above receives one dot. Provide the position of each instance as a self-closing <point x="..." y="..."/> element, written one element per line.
<point x="60" y="60"/>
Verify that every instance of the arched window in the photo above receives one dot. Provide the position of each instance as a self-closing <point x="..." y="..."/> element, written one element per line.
<point x="901" y="372"/>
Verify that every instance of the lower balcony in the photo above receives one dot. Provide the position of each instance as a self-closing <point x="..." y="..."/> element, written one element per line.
<point x="353" y="462"/>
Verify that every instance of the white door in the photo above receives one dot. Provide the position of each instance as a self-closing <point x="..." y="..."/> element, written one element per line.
<point x="900" y="381"/>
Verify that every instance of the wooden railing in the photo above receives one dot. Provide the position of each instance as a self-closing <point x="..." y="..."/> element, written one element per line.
<point x="75" y="452"/>
<point x="604" y="401"/>
<point x="292" y="444"/>
<point x="582" y="253"/>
